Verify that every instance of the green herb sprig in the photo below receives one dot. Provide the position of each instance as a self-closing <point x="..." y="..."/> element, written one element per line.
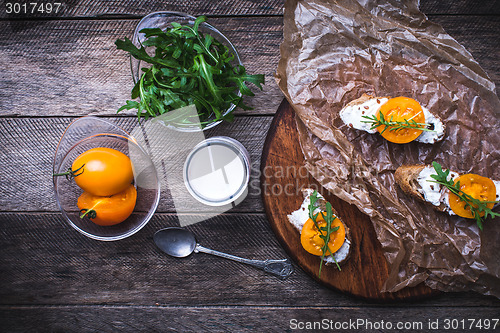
<point x="188" y="67"/>
<point x="475" y="205"/>
<point x="394" y="125"/>
<point x="326" y="231"/>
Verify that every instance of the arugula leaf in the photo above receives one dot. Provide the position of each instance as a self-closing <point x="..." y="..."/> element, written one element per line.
<point x="130" y="105"/>
<point x="325" y="232"/>
<point x="441" y="175"/>
<point x="240" y="76"/>
<point x="313" y="198"/>
<point x="476" y="206"/>
<point x="326" y="236"/>
<point x="188" y="67"/>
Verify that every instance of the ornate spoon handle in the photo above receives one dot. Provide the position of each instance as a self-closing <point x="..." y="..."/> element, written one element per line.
<point x="281" y="268"/>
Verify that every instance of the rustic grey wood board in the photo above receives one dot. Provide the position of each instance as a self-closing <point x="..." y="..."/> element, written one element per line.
<point x="74" y="68"/>
<point x="117" y="8"/>
<point x="129" y="8"/>
<point x="29" y="144"/>
<point x="58" y="68"/>
<point x="45" y="262"/>
<point x="155" y="318"/>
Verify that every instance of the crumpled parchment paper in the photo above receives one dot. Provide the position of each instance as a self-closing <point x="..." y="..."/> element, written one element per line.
<point x="333" y="52"/>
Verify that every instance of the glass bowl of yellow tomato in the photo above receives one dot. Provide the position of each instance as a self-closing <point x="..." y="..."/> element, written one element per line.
<point x="105" y="183"/>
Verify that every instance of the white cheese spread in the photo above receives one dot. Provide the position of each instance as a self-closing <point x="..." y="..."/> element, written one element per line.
<point x="437" y="126"/>
<point x="352" y="115"/>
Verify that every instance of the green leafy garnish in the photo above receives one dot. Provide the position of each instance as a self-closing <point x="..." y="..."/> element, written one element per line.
<point x="188" y="67"/>
<point x="326" y="231"/>
<point x="476" y="206"/>
<point x="392" y="125"/>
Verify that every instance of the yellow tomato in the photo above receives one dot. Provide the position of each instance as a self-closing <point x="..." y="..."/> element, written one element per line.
<point x="401" y="109"/>
<point x="476" y="186"/>
<point x="311" y="240"/>
<point x="102" y="171"/>
<point x="108" y="210"/>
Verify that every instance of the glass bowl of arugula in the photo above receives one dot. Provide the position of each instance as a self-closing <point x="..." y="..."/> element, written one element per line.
<point x="179" y="60"/>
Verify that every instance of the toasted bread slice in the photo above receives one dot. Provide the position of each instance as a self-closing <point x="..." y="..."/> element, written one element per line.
<point x="413" y="181"/>
<point x="406" y="177"/>
<point x="365" y="98"/>
<point x="299" y="217"/>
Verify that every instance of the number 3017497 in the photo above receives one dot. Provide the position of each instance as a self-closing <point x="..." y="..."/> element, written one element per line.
<point x="32" y="7"/>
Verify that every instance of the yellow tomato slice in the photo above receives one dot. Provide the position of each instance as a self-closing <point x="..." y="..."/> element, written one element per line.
<point x="401" y="109"/>
<point x="311" y="240"/>
<point x="109" y="210"/>
<point x="476" y="186"/>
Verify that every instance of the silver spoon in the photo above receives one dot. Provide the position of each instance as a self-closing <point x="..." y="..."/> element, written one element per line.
<point x="179" y="242"/>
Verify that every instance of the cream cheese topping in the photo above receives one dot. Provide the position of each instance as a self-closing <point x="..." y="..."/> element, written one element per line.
<point x="432" y="192"/>
<point x="352" y="115"/>
<point x="437" y="125"/>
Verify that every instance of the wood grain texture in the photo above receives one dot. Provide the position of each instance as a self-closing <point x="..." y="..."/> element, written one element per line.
<point x="28" y="146"/>
<point x="45" y="262"/>
<point x="283" y="178"/>
<point x="72" y="68"/>
<point x="129" y="8"/>
<point x="54" y="279"/>
<point x="460" y="7"/>
<point x="466" y="31"/>
<point x="230" y="319"/>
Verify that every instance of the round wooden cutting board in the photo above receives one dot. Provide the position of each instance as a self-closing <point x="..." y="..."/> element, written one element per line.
<point x="283" y="177"/>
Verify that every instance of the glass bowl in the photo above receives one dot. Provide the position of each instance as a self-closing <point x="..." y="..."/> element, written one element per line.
<point x="163" y="21"/>
<point x="91" y="132"/>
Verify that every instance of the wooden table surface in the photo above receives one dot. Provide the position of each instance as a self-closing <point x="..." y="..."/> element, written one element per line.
<point x="59" y="67"/>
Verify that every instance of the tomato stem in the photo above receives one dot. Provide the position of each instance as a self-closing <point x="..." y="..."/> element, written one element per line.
<point x="70" y="173"/>
<point x="92" y="213"/>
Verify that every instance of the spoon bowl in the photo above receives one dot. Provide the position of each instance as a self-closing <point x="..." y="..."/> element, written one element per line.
<point x="176" y="242"/>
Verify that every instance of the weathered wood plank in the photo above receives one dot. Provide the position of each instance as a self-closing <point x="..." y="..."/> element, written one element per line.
<point x="460" y="7"/>
<point x="130" y="8"/>
<point x="54" y="279"/>
<point x="239" y="319"/>
<point x="116" y="8"/>
<point x="45" y="262"/>
<point x="466" y="31"/>
<point x="73" y="67"/>
<point x="28" y="146"/>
